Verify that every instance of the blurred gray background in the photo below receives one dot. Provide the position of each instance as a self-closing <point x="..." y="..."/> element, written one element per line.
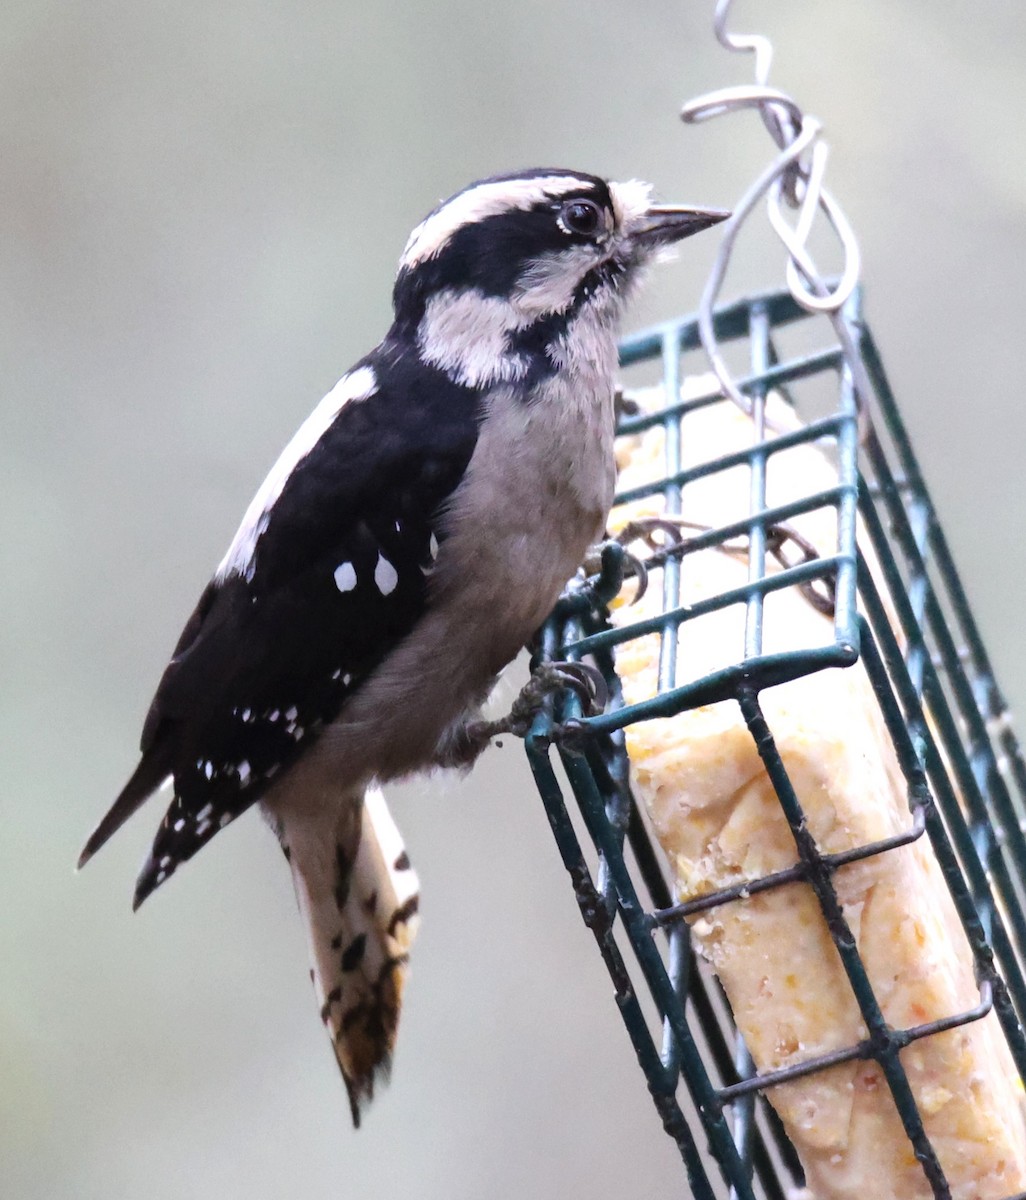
<point x="202" y="208"/>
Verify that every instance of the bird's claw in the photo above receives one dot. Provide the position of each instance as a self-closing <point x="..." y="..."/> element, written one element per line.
<point x="586" y="682"/>
<point x="624" y="406"/>
<point x="612" y="562"/>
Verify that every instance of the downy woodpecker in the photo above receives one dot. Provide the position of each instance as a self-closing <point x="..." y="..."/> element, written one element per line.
<point x="409" y="540"/>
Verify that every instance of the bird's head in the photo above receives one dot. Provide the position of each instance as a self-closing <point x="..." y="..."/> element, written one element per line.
<point x="531" y="251"/>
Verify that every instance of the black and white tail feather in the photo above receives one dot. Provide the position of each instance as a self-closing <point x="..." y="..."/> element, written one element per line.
<point x="408" y="541"/>
<point x="359" y="898"/>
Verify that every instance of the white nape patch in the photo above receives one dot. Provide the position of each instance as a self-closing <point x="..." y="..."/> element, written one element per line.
<point x="357" y="385"/>
<point x="548" y="283"/>
<point x="485" y="200"/>
<point x="385" y="576"/>
<point x="345" y="577"/>
<point x="464" y="333"/>
<point x="631" y="200"/>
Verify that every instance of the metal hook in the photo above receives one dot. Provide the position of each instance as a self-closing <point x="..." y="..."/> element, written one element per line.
<point x="795" y="177"/>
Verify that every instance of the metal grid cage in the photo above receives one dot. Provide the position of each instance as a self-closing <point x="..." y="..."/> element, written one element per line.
<point x="932" y="681"/>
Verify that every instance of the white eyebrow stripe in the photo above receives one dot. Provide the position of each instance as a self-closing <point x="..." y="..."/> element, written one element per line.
<point x="487" y="199"/>
<point x="239" y="559"/>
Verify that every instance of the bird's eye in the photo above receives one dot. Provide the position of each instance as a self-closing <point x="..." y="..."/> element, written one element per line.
<point x="580" y="216"/>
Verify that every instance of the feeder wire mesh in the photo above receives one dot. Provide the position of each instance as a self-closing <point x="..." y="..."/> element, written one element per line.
<point x="897" y="608"/>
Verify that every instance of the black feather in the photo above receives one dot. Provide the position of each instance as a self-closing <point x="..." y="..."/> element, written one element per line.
<point x="268" y="658"/>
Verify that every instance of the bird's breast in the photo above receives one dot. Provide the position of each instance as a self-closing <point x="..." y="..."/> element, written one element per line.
<point x="535" y="496"/>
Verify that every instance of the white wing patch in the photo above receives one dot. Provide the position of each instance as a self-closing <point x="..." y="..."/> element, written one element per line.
<point x="239" y="560"/>
<point x="485" y="200"/>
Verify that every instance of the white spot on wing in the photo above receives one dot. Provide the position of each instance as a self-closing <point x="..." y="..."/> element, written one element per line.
<point x="357" y="385"/>
<point x="244" y="773"/>
<point x="484" y="200"/>
<point x="345" y="577"/>
<point x="385" y="576"/>
<point x="433" y="547"/>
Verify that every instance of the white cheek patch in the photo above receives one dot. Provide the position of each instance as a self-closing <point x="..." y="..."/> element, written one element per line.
<point x="239" y="560"/>
<point x="549" y="282"/>
<point x="485" y="200"/>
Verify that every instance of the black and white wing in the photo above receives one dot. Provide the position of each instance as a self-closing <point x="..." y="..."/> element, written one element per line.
<point x="326" y="574"/>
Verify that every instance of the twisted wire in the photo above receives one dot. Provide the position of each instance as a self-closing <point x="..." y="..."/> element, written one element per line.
<point x="793" y="179"/>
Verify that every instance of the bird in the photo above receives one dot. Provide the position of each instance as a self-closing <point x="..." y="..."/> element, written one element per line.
<point x="407" y="543"/>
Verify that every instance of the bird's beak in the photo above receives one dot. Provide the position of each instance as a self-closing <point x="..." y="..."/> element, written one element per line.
<point x="663" y="223"/>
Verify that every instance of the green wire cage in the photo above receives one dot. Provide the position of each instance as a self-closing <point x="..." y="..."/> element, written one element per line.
<point x="938" y="699"/>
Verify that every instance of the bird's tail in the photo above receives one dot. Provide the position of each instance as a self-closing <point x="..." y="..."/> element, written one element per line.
<point x="154" y="767"/>
<point x="359" y="897"/>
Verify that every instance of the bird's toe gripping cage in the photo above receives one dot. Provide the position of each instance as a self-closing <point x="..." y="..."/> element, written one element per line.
<point x="942" y="709"/>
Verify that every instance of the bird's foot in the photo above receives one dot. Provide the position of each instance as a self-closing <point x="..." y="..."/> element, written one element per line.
<point x="585" y="681"/>
<point x="610" y="563"/>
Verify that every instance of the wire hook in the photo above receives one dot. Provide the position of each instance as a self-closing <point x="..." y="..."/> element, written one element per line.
<point x="794" y="177"/>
